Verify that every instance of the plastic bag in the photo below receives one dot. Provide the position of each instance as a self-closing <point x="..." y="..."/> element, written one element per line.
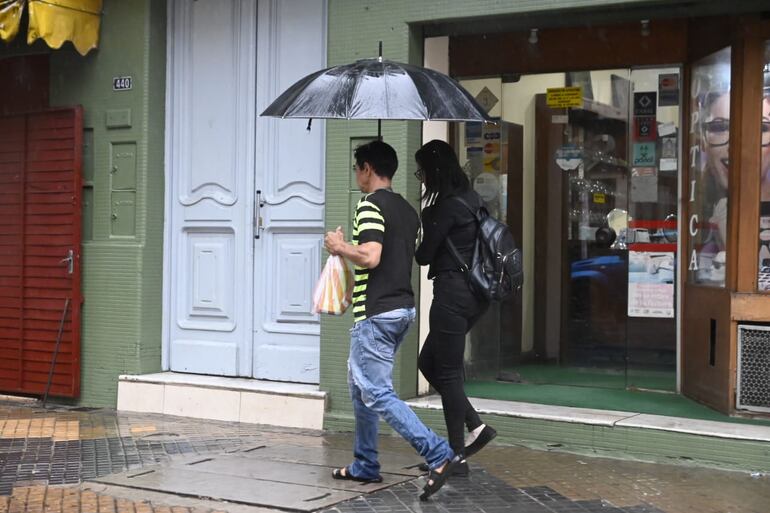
<point x="333" y="293"/>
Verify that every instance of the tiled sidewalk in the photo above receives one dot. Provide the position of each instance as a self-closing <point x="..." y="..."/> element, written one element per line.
<point x="51" y="499"/>
<point x="48" y="457"/>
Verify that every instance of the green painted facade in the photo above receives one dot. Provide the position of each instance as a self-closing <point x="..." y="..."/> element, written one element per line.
<point x="123" y="196"/>
<point x="355" y="28"/>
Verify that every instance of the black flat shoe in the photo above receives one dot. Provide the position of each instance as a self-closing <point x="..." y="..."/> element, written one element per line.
<point x="487" y="435"/>
<point x="437" y="479"/>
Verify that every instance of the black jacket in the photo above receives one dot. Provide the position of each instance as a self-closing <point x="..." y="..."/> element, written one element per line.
<point x="449" y="218"/>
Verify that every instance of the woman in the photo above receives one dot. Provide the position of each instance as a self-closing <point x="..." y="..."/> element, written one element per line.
<point x="455" y="308"/>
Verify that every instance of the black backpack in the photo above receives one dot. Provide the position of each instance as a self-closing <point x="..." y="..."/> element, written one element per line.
<point x="495" y="271"/>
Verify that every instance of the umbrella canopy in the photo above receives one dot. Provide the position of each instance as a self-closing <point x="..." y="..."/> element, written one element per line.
<point x="377" y="89"/>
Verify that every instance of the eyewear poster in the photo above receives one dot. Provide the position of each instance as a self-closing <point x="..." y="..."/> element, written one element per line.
<point x="709" y="150"/>
<point x="651" y="284"/>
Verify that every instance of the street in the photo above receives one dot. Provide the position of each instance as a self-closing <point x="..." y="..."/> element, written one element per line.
<point x="71" y="460"/>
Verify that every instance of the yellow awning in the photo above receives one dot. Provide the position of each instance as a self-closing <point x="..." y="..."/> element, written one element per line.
<point x="10" y="17"/>
<point x="57" y="21"/>
<point x="54" y="21"/>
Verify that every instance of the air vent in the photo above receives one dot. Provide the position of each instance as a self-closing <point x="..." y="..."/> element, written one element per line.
<point x="753" y="390"/>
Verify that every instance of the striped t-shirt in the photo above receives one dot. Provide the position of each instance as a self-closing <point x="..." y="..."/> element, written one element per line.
<point x="385" y="217"/>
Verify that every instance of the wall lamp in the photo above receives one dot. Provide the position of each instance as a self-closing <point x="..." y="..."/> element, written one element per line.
<point x="533" y="36"/>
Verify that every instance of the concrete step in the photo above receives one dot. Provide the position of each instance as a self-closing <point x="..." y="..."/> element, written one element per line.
<point x="622" y="434"/>
<point x="220" y="398"/>
<point x="609" y="418"/>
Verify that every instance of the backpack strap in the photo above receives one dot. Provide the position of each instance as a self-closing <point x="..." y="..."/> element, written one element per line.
<point x="456" y="255"/>
<point x="473" y="211"/>
<point x="464" y="268"/>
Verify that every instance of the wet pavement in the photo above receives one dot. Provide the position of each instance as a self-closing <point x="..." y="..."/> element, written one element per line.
<point x="65" y="460"/>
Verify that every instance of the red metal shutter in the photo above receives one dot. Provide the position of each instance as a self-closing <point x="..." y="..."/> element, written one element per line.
<point x="40" y="228"/>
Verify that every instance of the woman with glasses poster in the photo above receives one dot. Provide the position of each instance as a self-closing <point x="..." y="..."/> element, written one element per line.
<point x="710" y="161"/>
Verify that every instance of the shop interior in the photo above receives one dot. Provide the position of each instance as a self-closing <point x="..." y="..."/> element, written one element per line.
<point x="602" y="223"/>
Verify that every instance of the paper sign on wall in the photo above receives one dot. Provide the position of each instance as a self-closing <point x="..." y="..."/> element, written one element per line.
<point x="563" y="97"/>
<point x="651" y="284"/>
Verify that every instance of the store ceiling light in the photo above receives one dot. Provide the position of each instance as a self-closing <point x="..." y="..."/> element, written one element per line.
<point x="533" y="36"/>
<point x="645" y="28"/>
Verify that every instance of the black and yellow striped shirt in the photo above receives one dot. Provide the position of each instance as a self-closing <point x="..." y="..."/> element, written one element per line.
<point x="385" y="217"/>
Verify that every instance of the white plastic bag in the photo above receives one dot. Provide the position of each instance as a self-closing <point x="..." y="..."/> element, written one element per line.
<point x="333" y="293"/>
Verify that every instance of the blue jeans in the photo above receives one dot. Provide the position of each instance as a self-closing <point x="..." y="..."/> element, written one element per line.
<point x="373" y="345"/>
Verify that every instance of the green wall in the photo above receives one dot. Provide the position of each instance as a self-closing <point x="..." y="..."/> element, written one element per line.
<point x="122" y="257"/>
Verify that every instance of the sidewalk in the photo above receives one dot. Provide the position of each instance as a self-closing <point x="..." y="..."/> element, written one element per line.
<point x="70" y="461"/>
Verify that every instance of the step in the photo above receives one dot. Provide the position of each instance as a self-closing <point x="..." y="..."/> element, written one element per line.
<point x="608" y="418"/>
<point x="646" y="437"/>
<point x="246" y="400"/>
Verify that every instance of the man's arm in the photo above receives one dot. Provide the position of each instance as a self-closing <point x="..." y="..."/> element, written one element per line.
<point x="364" y="255"/>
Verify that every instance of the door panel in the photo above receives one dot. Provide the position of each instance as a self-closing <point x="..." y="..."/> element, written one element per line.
<point x="210" y="154"/>
<point x="290" y="184"/>
<point x="40" y="230"/>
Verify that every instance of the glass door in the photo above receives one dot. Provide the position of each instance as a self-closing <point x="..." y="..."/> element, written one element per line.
<point x="597" y="157"/>
<point x="655" y="146"/>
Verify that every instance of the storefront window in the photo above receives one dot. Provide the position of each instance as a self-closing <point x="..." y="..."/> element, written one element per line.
<point x="709" y="145"/>
<point x="764" y="220"/>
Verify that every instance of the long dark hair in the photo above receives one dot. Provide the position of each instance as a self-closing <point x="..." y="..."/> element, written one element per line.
<point x="442" y="174"/>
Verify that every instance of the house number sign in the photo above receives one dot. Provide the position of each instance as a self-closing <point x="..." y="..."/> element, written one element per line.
<point x="122" y="83"/>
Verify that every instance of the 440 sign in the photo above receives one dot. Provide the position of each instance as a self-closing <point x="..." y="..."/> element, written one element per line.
<point x="122" y="83"/>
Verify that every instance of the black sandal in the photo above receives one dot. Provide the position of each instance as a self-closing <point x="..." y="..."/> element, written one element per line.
<point x="437" y="479"/>
<point x="337" y="473"/>
<point x="461" y="470"/>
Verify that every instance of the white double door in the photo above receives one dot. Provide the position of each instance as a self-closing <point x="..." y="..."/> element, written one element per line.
<point x="245" y="195"/>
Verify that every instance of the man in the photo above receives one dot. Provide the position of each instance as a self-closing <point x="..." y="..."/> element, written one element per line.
<point x="384" y="232"/>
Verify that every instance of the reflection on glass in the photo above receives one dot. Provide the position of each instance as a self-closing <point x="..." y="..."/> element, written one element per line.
<point x="709" y="166"/>
<point x="764" y="220"/>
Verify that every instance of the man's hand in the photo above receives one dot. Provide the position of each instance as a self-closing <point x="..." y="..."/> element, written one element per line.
<point x="365" y="255"/>
<point x="335" y="241"/>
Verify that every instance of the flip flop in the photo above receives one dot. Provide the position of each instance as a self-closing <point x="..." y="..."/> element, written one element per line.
<point x="337" y="473"/>
<point x="437" y="479"/>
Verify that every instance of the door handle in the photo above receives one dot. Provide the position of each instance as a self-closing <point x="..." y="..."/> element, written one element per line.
<point x="258" y="204"/>
<point x="69" y="260"/>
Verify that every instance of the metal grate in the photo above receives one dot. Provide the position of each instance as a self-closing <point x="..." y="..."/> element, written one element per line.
<point x="753" y="391"/>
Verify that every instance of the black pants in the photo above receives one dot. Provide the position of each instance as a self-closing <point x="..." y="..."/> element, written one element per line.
<point x="452" y="314"/>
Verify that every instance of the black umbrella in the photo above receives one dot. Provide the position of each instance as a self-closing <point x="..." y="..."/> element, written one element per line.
<point x="377" y="89"/>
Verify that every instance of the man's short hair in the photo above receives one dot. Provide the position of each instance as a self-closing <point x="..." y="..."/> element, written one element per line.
<point x="380" y="156"/>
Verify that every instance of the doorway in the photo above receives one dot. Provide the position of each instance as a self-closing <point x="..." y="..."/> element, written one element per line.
<point x="600" y="163"/>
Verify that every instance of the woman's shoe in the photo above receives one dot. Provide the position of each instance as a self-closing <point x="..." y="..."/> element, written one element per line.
<point x="487" y="435"/>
